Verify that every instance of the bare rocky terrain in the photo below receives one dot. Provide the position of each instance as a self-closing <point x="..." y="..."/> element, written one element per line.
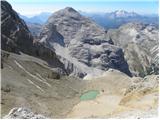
<point x="83" y="40"/>
<point x="16" y="38"/>
<point x="140" y="44"/>
<point x="29" y="82"/>
<point x="131" y="98"/>
<point x="76" y="69"/>
<point x="23" y="113"/>
<point x="44" y="93"/>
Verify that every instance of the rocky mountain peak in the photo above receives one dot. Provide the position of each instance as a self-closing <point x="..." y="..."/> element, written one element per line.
<point x="67" y="12"/>
<point x="69" y="9"/>
<point x="84" y="41"/>
<point x="5" y="4"/>
<point x="120" y="12"/>
<point x="123" y="13"/>
<point x="73" y="23"/>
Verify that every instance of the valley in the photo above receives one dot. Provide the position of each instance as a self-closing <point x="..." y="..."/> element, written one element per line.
<point x="29" y="86"/>
<point x="72" y="67"/>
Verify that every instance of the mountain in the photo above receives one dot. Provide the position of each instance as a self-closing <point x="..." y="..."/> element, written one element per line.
<point x="15" y="34"/>
<point x="40" y="18"/>
<point x="32" y="73"/>
<point x="34" y="28"/>
<point x="121" y="14"/>
<point x="107" y="20"/>
<point x="36" y="22"/>
<point x="31" y="83"/>
<point x="119" y="17"/>
<point x="139" y="42"/>
<point x="16" y="38"/>
<point x="81" y="37"/>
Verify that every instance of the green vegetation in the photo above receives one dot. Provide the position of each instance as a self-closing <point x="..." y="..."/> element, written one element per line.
<point x="89" y="95"/>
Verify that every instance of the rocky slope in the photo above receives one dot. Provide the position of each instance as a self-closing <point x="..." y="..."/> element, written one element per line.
<point x="84" y="41"/>
<point x="23" y="113"/>
<point x="28" y="82"/>
<point x="131" y="98"/>
<point x="30" y="78"/>
<point x="139" y="42"/>
<point x="15" y="34"/>
<point x="15" y="37"/>
<point x="34" y="28"/>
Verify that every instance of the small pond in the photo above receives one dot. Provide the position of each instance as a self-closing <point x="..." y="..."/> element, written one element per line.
<point x="89" y="95"/>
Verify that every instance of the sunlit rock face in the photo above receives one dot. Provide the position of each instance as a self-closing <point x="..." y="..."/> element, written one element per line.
<point x="84" y="43"/>
<point x="140" y="44"/>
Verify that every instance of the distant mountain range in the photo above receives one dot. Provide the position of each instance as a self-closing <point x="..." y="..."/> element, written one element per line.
<point x="35" y="23"/>
<point x="119" y="17"/>
<point x="75" y="33"/>
<point x="40" y="18"/>
<point x="106" y="20"/>
<point x="121" y="14"/>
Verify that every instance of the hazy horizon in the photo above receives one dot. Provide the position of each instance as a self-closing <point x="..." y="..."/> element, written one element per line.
<point x="30" y="8"/>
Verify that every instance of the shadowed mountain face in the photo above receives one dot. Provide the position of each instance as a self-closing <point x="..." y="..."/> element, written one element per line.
<point x="84" y="41"/>
<point x="15" y="37"/>
<point x="15" y="34"/>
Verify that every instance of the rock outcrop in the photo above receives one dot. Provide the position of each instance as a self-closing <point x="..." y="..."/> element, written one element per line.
<point x="23" y="113"/>
<point x="15" y="34"/>
<point x="84" y="41"/>
<point x="140" y="44"/>
<point x="15" y="37"/>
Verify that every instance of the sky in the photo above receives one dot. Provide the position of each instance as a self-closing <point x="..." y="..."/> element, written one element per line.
<point x="32" y="7"/>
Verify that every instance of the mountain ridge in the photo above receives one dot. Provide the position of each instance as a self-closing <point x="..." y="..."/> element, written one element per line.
<point x="137" y="39"/>
<point x="81" y="35"/>
<point x="17" y="38"/>
<point x="42" y="75"/>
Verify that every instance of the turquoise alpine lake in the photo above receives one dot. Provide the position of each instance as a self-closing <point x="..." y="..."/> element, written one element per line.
<point x="89" y="95"/>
